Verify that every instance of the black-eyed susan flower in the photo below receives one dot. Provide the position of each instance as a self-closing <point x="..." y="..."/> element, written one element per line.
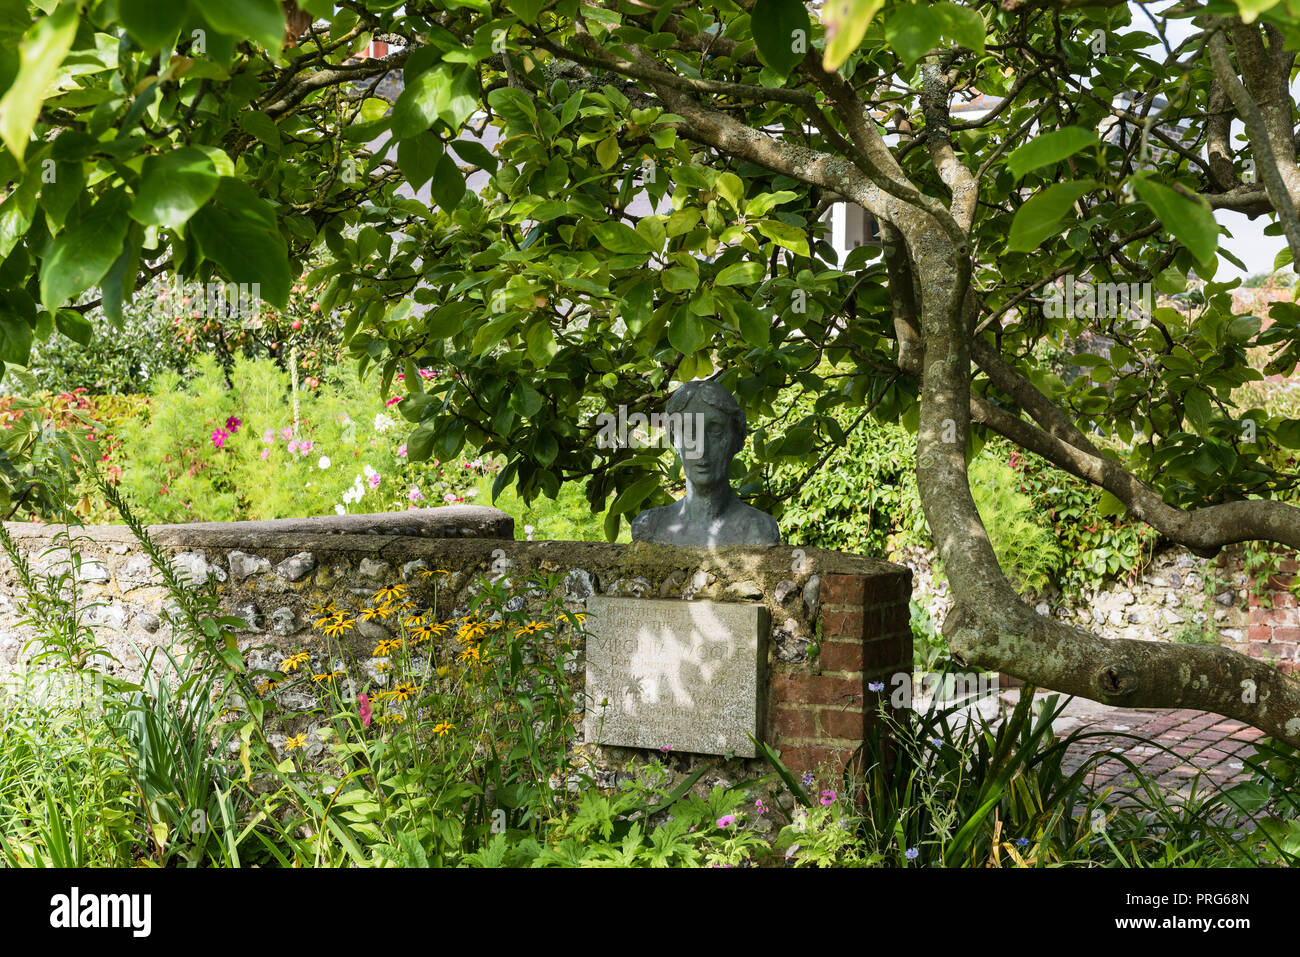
<point x="395" y="718"/>
<point x="471" y="655"/>
<point x="322" y="678"/>
<point x="292" y="663"/>
<point x="532" y="628"/>
<point x="297" y="741"/>
<point x="371" y="613"/>
<point x="390" y="593"/>
<point x="442" y="729"/>
<point x="403" y="691"/>
<point x="339" y="624"/>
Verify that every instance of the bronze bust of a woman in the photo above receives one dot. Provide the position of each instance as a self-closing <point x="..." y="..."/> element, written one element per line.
<point x="711" y="513"/>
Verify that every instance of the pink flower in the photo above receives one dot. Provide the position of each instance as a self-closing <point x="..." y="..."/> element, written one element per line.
<point x="266" y="453"/>
<point x="305" y="447"/>
<point x="760" y="806"/>
<point x="449" y="498"/>
<point x="401" y="450"/>
<point x="293" y="446"/>
<point x="393" y="401"/>
<point x="268" y="436"/>
<point x="233" y="424"/>
<point x="828" y="798"/>
<point x="286" y="433"/>
<point x="219" y="437"/>
<point x="364" y="703"/>
<point x="726" y="820"/>
<point x="415" y="495"/>
<point x="374" y="480"/>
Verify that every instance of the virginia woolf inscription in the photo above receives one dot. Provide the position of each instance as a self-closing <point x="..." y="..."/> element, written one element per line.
<point x="684" y="675"/>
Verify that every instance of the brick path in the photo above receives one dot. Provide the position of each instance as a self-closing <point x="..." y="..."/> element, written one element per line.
<point x="1200" y="742"/>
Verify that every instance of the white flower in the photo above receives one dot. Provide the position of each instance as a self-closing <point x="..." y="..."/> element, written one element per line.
<point x="528" y="530"/>
<point x="369" y="472"/>
<point x="383" y="423"/>
<point x="341" y="509"/>
<point x="324" y="462"/>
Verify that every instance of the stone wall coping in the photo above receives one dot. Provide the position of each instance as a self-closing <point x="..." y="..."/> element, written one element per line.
<point x="408" y="538"/>
<point x="444" y="521"/>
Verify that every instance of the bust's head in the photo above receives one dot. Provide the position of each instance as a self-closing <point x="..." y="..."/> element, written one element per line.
<point x="707" y="428"/>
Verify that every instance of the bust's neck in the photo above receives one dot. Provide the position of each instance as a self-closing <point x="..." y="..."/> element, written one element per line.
<point x="709" y="504"/>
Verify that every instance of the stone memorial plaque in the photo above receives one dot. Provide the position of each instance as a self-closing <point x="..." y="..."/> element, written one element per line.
<point x="680" y="674"/>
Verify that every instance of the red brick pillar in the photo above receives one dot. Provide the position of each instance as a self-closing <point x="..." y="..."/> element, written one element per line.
<point x="821" y="711"/>
<point x="1274" y="631"/>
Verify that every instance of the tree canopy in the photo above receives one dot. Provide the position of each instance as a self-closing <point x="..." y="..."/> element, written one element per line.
<point x="650" y="211"/>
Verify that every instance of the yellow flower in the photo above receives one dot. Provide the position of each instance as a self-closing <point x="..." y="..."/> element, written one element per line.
<point x="439" y="627"/>
<point x="413" y="621"/>
<point x="430" y="572"/>
<point x="532" y="627"/>
<point x="322" y="678"/>
<point x="396" y="718"/>
<point x="386" y="647"/>
<point x="391" y="592"/>
<point x="471" y="655"/>
<point x="370" y="614"/>
<point x="442" y="729"/>
<point x="323" y="608"/>
<point x="340" y="673"/>
<point x="403" y="691"/>
<point x="290" y="664"/>
<point x="298" y="741"/>
<point x="442" y="672"/>
<point x="339" y="624"/>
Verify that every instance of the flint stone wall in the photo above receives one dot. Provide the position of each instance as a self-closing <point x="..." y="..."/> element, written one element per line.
<point x="839" y="622"/>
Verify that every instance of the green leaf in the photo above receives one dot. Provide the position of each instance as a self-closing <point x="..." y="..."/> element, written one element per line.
<point x="1250" y="9"/>
<point x="607" y="152"/>
<point x="525" y="400"/>
<point x="152" y="23"/>
<point x="84" y="251"/>
<point x="686" y="332"/>
<point x="40" y="55"/>
<point x="912" y="31"/>
<point x="476" y="154"/>
<point x="237" y="230"/>
<point x="173" y="187"/>
<point x="261" y="126"/>
<point x="961" y="25"/>
<point x="781" y="31"/>
<point x="1190" y="221"/>
<point x="1040" y="218"/>
<point x="1050" y="148"/>
<point x="620" y="238"/>
<point x="526" y="10"/>
<point x="785" y="235"/>
<point x="17" y="318"/>
<point x="846" y="23"/>
<point x="259" y="20"/>
<point x="448" y="184"/>
<point x="74" y="325"/>
<point x="739" y="274"/>
<point x="1197" y="406"/>
<point x="418" y="158"/>
<point x="636" y="493"/>
<point x="445" y="91"/>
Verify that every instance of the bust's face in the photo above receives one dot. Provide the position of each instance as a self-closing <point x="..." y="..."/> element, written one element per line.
<point x="707" y="460"/>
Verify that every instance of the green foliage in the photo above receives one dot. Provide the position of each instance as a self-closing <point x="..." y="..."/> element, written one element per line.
<point x="208" y="451"/>
<point x="1027" y="549"/>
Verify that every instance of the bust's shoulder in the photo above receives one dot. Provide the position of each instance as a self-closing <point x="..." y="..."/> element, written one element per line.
<point x="645" y="523"/>
<point x="761" y="528"/>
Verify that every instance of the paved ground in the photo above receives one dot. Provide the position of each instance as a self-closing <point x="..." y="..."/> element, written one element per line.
<point x="1182" y="745"/>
